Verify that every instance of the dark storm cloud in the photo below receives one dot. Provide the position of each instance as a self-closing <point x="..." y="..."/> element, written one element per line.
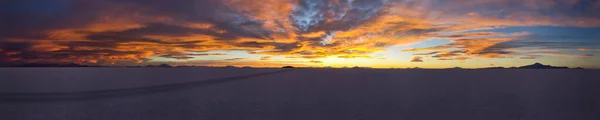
<point x="96" y="44"/>
<point x="30" y="19"/>
<point x="162" y="29"/>
<point x="254" y="44"/>
<point x="14" y="46"/>
<point x="123" y="38"/>
<point x="18" y="53"/>
<point x="12" y="51"/>
<point x="154" y="29"/>
<point x="214" y="12"/>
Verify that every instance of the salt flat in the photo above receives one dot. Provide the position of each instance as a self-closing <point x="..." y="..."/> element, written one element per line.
<point x="85" y="79"/>
<point x="304" y="94"/>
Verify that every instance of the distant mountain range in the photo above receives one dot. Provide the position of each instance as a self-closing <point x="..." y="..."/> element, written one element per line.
<point x="532" y="66"/>
<point x="161" y="65"/>
<point x="542" y="66"/>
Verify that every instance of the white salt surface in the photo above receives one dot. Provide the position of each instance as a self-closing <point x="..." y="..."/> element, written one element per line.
<point x="86" y="79"/>
<point x="319" y="94"/>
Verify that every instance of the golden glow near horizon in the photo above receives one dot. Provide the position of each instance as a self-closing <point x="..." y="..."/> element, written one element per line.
<point x="318" y="33"/>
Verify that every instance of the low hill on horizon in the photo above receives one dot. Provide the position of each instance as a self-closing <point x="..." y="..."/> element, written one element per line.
<point x="542" y="66"/>
<point x="536" y="65"/>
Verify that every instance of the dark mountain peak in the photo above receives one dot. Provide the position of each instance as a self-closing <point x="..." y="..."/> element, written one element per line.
<point x="164" y="65"/>
<point x="455" y="68"/>
<point x="287" y="67"/>
<point x="538" y="64"/>
<point x="494" y="68"/>
<point x="541" y="66"/>
<point x="161" y="65"/>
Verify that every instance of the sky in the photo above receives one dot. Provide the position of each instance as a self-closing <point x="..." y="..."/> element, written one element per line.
<point x="309" y="33"/>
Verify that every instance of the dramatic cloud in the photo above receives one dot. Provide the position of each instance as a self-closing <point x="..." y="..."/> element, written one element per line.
<point x="107" y="32"/>
<point x="522" y="45"/>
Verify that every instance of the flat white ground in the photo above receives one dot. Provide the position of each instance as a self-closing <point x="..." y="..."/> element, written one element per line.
<point x="46" y="80"/>
<point x="297" y="94"/>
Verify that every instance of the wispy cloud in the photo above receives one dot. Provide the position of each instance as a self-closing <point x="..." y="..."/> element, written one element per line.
<point x="265" y="58"/>
<point x="417" y="59"/>
<point x="316" y="61"/>
<point x="232" y="59"/>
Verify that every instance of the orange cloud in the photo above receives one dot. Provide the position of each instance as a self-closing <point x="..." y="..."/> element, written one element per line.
<point x="265" y="58"/>
<point x="417" y="59"/>
<point x="465" y="48"/>
<point x="316" y="62"/>
<point x="123" y="32"/>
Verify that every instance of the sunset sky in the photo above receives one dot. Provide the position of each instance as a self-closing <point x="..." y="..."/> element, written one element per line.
<point x="274" y="33"/>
